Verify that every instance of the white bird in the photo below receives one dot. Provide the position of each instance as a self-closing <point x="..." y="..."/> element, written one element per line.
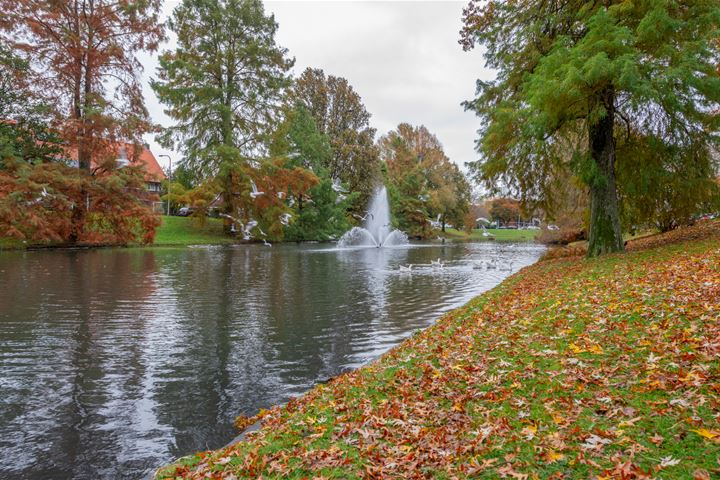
<point x="281" y="195"/>
<point x="291" y="201"/>
<point x="43" y="194"/>
<point x="255" y="193"/>
<point x="337" y="186"/>
<point x="368" y="214"/>
<point x="405" y="269"/>
<point x="436" y="263"/>
<point x="261" y="232"/>
<point x="265" y="242"/>
<point x="285" y="219"/>
<point x="244" y="228"/>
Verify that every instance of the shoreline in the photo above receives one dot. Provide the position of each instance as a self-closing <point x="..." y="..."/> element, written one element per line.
<point x="444" y="379"/>
<point x="40" y="247"/>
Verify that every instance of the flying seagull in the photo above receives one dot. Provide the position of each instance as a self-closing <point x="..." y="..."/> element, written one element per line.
<point x="255" y="193"/>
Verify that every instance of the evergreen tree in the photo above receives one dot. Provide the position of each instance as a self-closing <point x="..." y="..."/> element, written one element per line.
<point x="223" y="83"/>
<point x="586" y="77"/>
<point x="322" y="213"/>
<point x="223" y="86"/>
<point x="339" y="113"/>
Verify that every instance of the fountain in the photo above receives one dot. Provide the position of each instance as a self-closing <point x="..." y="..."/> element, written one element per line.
<point x="376" y="231"/>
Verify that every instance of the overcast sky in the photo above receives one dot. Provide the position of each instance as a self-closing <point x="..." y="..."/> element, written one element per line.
<point x="403" y="59"/>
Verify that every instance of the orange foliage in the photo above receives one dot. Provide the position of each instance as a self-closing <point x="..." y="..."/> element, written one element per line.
<point x="37" y="204"/>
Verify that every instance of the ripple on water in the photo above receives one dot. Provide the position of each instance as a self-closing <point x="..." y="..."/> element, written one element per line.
<point x="131" y="358"/>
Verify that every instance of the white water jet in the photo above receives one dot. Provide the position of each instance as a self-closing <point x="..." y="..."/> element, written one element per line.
<point x="377" y="229"/>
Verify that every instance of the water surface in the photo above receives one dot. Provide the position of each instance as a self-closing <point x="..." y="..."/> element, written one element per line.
<point x="113" y="362"/>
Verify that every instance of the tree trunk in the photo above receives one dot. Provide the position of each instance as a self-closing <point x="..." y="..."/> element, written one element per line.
<point x="605" y="232"/>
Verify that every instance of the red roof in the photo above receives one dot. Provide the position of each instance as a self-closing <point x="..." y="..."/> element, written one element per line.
<point x="153" y="171"/>
<point x="145" y="158"/>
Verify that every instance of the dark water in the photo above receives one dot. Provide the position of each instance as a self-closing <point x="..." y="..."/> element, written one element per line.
<point x="113" y="362"/>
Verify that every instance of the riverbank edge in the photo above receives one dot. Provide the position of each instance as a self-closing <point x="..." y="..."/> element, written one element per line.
<point x="228" y="241"/>
<point x="281" y="421"/>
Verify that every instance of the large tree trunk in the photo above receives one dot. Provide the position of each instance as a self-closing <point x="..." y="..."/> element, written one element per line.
<point x="605" y="232"/>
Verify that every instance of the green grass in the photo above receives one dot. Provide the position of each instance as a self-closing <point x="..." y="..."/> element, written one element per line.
<point x="501" y="235"/>
<point x="189" y="231"/>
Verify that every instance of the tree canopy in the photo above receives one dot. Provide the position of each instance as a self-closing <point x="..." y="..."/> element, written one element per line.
<point x="576" y="80"/>
<point x="339" y="113"/>
<point x="223" y="83"/>
<point x="70" y="90"/>
<point x="423" y="183"/>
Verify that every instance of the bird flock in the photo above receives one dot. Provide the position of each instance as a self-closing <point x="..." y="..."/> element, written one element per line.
<point x="493" y="263"/>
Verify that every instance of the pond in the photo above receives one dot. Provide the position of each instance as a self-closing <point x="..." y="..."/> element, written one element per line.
<point x="114" y="362"/>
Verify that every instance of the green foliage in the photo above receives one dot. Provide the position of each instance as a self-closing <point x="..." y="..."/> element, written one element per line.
<point x="223" y="83"/>
<point x="321" y="214"/>
<point x="422" y="182"/>
<point x="324" y="218"/>
<point x="665" y="185"/>
<point x="574" y="78"/>
<point x="339" y="114"/>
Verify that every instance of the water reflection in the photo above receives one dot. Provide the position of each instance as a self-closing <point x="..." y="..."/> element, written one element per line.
<point x="116" y="361"/>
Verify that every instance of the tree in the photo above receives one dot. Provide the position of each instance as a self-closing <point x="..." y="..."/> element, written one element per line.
<point x="321" y="214"/>
<point x="223" y="83"/>
<point x="423" y="182"/>
<point x="24" y="134"/>
<point x="505" y="210"/>
<point x="582" y="76"/>
<point x="82" y="59"/>
<point x="223" y="86"/>
<point x="37" y="200"/>
<point x="339" y="113"/>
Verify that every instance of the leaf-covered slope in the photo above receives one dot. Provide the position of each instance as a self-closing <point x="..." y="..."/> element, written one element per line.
<point x="572" y="368"/>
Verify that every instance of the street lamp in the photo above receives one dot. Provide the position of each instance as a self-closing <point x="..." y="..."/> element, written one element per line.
<point x="169" y="178"/>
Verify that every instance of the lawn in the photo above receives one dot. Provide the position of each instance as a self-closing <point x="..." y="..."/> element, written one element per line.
<point x="572" y="368"/>
<point x="502" y="235"/>
<point x="189" y="231"/>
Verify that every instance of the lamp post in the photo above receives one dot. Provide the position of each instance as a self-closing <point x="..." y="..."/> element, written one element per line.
<point x="169" y="178"/>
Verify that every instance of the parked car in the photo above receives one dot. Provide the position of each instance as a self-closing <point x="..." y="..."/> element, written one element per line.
<point x="185" y="211"/>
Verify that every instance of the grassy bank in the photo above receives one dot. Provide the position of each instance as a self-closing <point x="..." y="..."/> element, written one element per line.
<point x="501" y="235"/>
<point x="572" y="368"/>
<point x="189" y="231"/>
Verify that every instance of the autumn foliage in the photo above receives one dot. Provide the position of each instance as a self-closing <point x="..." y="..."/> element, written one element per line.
<point x="37" y="204"/>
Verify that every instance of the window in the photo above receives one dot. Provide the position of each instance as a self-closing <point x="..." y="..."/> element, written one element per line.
<point x="122" y="159"/>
